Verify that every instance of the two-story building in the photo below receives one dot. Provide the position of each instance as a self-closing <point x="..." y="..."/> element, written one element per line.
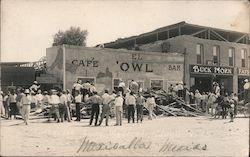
<point x="210" y="54"/>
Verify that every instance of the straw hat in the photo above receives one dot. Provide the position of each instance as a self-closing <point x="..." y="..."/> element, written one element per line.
<point x="27" y="91"/>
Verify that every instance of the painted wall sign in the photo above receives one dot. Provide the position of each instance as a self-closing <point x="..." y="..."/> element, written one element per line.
<point x="86" y="62"/>
<point x="136" y="67"/>
<point x="200" y="69"/>
<point x="244" y="72"/>
<point x="174" y="67"/>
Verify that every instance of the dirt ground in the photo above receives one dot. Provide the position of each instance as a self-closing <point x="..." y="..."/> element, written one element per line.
<point x="203" y="135"/>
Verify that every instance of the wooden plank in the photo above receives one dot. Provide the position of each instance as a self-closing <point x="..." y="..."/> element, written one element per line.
<point x="166" y="110"/>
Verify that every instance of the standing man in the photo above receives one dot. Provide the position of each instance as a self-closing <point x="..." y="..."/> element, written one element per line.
<point x="150" y="103"/>
<point x="54" y="101"/>
<point x="25" y="103"/>
<point x="77" y="87"/>
<point x="95" y="100"/>
<point x="118" y="108"/>
<point x="63" y="107"/>
<point x="134" y="86"/>
<point x="140" y="101"/>
<point x="107" y="100"/>
<point x="12" y="104"/>
<point x="6" y="105"/>
<point x="85" y="88"/>
<point x="2" y="110"/>
<point x="69" y="101"/>
<point x="39" y="98"/>
<point x="20" y="94"/>
<point x="78" y="101"/>
<point x="246" y="91"/>
<point x="131" y="103"/>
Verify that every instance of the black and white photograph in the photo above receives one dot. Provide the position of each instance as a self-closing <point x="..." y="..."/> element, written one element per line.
<point x="125" y="78"/>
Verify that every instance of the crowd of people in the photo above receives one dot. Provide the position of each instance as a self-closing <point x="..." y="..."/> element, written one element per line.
<point x="123" y="102"/>
<point x="216" y="102"/>
<point x="59" y="103"/>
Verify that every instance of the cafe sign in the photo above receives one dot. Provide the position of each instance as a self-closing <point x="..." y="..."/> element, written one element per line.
<point x="200" y="69"/>
<point x="244" y="72"/>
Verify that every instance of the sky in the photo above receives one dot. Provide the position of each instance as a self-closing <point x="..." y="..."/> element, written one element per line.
<point x="28" y="26"/>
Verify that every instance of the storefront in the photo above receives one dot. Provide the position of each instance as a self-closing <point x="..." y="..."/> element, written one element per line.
<point x="104" y="67"/>
<point x="242" y="75"/>
<point x="202" y="77"/>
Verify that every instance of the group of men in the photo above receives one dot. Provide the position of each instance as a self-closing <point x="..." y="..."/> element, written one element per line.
<point x="125" y="101"/>
<point x="58" y="103"/>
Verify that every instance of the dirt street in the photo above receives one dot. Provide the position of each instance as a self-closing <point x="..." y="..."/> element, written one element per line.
<point x="164" y="136"/>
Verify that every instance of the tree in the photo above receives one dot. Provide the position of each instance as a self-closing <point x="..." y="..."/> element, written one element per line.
<point x="73" y="36"/>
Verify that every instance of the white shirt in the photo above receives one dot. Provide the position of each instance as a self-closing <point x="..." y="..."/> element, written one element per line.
<point x="63" y="99"/>
<point x="54" y="99"/>
<point x="119" y="101"/>
<point x="106" y="98"/>
<point x="78" y="98"/>
<point x="77" y="86"/>
<point x="246" y="86"/>
<point x="92" y="88"/>
<point x="39" y="97"/>
<point x="121" y="84"/>
<point x="86" y="85"/>
<point x="130" y="100"/>
<point x="150" y="101"/>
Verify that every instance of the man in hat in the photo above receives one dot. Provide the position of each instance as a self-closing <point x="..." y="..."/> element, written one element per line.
<point x="134" y="87"/>
<point x="34" y="87"/>
<point x="77" y="87"/>
<point x="2" y="110"/>
<point x="246" y="91"/>
<point x="25" y="103"/>
<point x="150" y="104"/>
<point x="131" y="103"/>
<point x="63" y="106"/>
<point x="78" y="101"/>
<point x="107" y="100"/>
<point x="140" y="101"/>
<point x="118" y="108"/>
<point x="95" y="100"/>
<point x="54" y="101"/>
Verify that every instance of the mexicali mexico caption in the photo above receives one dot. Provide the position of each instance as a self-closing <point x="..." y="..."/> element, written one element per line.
<point x="136" y="143"/>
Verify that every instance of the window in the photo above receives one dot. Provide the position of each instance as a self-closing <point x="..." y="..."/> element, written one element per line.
<point x="216" y="55"/>
<point x="84" y="79"/>
<point x="156" y="84"/>
<point x="243" y="57"/>
<point x="199" y="53"/>
<point x="115" y="84"/>
<point x="231" y="52"/>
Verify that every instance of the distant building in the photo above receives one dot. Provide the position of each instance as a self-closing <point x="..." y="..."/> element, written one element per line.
<point x="105" y="67"/>
<point x="210" y="54"/>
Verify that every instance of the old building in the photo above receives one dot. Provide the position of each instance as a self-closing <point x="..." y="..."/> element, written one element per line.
<point x="210" y="54"/>
<point x="104" y="67"/>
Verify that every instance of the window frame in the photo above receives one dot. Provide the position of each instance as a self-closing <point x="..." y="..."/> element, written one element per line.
<point x="155" y="79"/>
<point x="77" y="77"/>
<point x="244" y="51"/>
<point x="217" y="56"/>
<point x="113" y="87"/>
<point x="233" y="56"/>
<point x="201" y="53"/>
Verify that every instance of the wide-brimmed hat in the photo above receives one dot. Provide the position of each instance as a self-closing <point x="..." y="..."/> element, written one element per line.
<point x="246" y="80"/>
<point x="27" y="91"/>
